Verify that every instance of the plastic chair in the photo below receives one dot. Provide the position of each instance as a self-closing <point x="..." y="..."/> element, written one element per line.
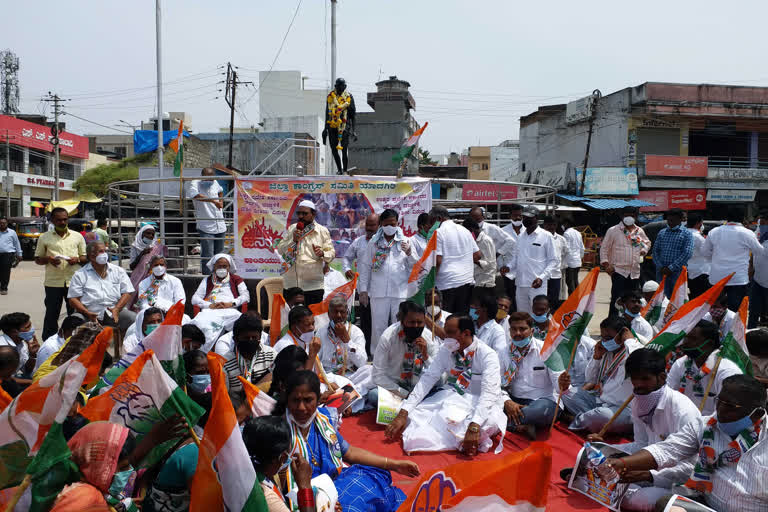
<point x="273" y="285"/>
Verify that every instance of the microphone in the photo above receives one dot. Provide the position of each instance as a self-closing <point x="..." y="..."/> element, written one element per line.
<point x="300" y="226"/>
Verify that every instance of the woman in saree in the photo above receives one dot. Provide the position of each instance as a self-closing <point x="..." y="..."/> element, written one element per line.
<point x="366" y="480"/>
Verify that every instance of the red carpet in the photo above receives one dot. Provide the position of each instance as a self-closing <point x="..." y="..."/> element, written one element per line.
<point x="363" y="431"/>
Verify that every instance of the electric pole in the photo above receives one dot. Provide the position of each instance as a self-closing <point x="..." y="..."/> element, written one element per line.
<point x="54" y="98"/>
<point x="229" y="97"/>
<point x="596" y="94"/>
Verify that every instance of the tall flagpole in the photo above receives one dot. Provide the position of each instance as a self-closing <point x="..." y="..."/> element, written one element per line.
<point x="159" y="39"/>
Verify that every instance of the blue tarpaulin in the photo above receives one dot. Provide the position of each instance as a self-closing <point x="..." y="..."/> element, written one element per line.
<point x="145" y="141"/>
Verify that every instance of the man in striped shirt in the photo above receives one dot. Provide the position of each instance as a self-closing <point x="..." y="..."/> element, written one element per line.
<point x="729" y="447"/>
<point x="249" y="358"/>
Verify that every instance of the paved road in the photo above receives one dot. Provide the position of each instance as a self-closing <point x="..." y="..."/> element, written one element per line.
<point x="25" y="293"/>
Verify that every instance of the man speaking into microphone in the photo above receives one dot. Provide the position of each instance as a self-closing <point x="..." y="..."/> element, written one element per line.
<point x="306" y="248"/>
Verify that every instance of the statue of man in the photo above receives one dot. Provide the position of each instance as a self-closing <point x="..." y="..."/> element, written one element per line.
<point x="339" y="123"/>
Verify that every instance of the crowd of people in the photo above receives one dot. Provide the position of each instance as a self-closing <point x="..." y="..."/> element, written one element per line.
<point x="465" y="361"/>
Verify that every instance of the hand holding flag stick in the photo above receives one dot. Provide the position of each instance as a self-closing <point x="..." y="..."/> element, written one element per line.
<point x="615" y="415"/>
<point x="709" y="384"/>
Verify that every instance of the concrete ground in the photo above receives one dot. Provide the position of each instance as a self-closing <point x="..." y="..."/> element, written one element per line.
<point x="26" y="293"/>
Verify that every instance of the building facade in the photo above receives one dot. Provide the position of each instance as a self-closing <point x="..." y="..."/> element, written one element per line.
<point x="31" y="159"/>
<point x="479" y="162"/>
<point x="684" y="144"/>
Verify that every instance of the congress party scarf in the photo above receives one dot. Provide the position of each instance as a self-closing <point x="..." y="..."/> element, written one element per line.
<point x="338" y="345"/>
<point x="516" y="357"/>
<point x="607" y="369"/>
<point x="412" y="365"/>
<point x="299" y="444"/>
<point x="633" y="237"/>
<point x="292" y="252"/>
<point x="218" y="285"/>
<point x="151" y="292"/>
<point x="461" y="374"/>
<point x="694" y="376"/>
<point x="383" y="247"/>
<point x="710" y="460"/>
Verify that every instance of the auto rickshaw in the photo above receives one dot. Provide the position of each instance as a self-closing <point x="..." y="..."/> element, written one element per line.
<point x="28" y="229"/>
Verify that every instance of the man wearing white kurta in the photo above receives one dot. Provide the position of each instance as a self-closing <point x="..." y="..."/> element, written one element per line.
<point x="466" y="412"/>
<point x="534" y="260"/>
<point x="159" y="289"/>
<point x="691" y="373"/>
<point x="507" y="261"/>
<point x="384" y="269"/>
<point x="561" y="253"/>
<point x="575" y="244"/>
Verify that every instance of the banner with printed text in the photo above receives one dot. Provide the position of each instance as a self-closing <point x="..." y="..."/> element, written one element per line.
<point x="266" y="207"/>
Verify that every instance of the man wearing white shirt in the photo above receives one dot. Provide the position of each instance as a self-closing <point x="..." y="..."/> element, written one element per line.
<point x="529" y="387"/>
<point x="507" y="263"/>
<point x="350" y="264"/>
<point x="691" y="373"/>
<point x="535" y="260"/>
<point x="419" y="240"/>
<point x="457" y="253"/>
<point x="483" y="313"/>
<point x="758" y="295"/>
<point x="729" y="449"/>
<point x="159" y="289"/>
<point x="502" y="241"/>
<point x="607" y="388"/>
<point x="467" y="407"/>
<point x="342" y="344"/>
<point x="561" y="253"/>
<point x="206" y="195"/>
<point x="435" y="314"/>
<point x="649" y="290"/>
<point x="575" y="243"/>
<point x="698" y="264"/>
<point x="332" y="279"/>
<point x="56" y="341"/>
<point x="384" y="269"/>
<point x="632" y="304"/>
<point x="728" y="248"/>
<point x="301" y="332"/>
<point x="485" y="267"/>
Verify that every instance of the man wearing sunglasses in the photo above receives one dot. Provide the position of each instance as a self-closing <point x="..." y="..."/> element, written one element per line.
<point x="729" y="448"/>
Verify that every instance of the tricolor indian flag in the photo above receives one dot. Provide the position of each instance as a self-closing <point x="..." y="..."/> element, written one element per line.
<point x="678" y="298"/>
<point x="177" y="145"/>
<point x="278" y="318"/>
<point x="409" y="145"/>
<point x="260" y="402"/>
<point x="142" y="396"/>
<point x="26" y="421"/>
<point x="516" y="483"/>
<point x="686" y="318"/>
<point x="652" y="311"/>
<point x="422" y="278"/>
<point x="734" y="345"/>
<point x="568" y="324"/>
<point x="347" y="290"/>
<point x="225" y="478"/>
<point x="5" y="399"/>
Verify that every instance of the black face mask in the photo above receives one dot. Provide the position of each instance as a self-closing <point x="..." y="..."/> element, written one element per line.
<point x="248" y="347"/>
<point x="411" y="333"/>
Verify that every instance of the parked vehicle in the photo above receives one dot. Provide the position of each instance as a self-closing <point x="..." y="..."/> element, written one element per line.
<point x="28" y="230"/>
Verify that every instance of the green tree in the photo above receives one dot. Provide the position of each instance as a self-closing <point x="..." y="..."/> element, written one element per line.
<point x="424" y="158"/>
<point x="97" y="179"/>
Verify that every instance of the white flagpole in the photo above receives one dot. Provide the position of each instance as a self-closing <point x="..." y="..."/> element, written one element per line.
<point x="159" y="39"/>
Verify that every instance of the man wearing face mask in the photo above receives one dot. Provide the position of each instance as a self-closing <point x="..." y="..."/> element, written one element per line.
<point x="658" y="411"/>
<point x="18" y="333"/>
<point x="100" y="290"/>
<point x="534" y="262"/>
<point x="632" y="304"/>
<point x="503" y="242"/>
<point x="607" y="387"/>
<point x="621" y="253"/>
<point x="466" y="407"/>
<point x="506" y="262"/>
<point x="728" y="447"/>
<point x="529" y="387"/>
<point x="160" y="289"/>
<point x="483" y="312"/>
<point x="147" y="320"/>
<point x="672" y="250"/>
<point x="384" y="270"/>
<point x="419" y="240"/>
<point x="436" y="315"/>
<point x="351" y="262"/>
<point x="698" y="264"/>
<point x="485" y="267"/>
<point x="301" y="332"/>
<point x="250" y="359"/>
<point x="406" y="348"/>
<point x="206" y="195"/>
<point x="691" y="373"/>
<point x="62" y="251"/>
<point x="541" y="317"/>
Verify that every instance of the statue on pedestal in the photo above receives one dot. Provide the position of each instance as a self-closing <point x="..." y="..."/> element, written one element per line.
<point x="339" y="123"/>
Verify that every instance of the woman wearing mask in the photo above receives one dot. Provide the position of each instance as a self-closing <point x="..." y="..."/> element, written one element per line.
<point x="541" y="316"/>
<point x="159" y="289"/>
<point x="366" y="480"/>
<point x="384" y="269"/>
<point x="222" y="289"/>
<point x="147" y="321"/>
<point x="198" y="378"/>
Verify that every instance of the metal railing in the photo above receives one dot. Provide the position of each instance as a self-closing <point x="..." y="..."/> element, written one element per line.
<point x="128" y="208"/>
<point x="725" y="162"/>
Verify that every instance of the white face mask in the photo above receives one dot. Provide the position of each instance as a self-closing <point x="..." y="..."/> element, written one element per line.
<point x="102" y="258"/>
<point x="628" y="221"/>
<point x="221" y="273"/>
<point x="434" y="310"/>
<point x="307" y="337"/>
<point x="389" y="230"/>
<point x="306" y="423"/>
<point x="451" y="344"/>
<point x="158" y="270"/>
<point x="517" y="223"/>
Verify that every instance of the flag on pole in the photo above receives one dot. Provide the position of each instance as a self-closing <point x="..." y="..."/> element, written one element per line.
<point x="26" y="421"/>
<point x="686" y="318"/>
<point x="422" y="278"/>
<point x="568" y="323"/>
<point x="165" y="341"/>
<point x="347" y="290"/>
<point x="679" y="296"/>
<point x="518" y="482"/>
<point x="409" y="145"/>
<point x="225" y="478"/>
<point x="652" y="310"/>
<point x="177" y="145"/>
<point x="142" y="396"/>
<point x="278" y="318"/>
<point x="734" y="345"/>
<point x="260" y="402"/>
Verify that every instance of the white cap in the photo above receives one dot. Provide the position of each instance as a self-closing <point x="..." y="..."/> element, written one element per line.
<point x="650" y="286"/>
<point x="309" y="204"/>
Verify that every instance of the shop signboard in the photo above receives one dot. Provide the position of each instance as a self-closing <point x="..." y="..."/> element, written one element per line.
<point x="620" y="181"/>
<point x="687" y="166"/>
<point x="35" y="136"/>
<point x="488" y="192"/>
<point x="685" y="199"/>
<point x="731" y="196"/>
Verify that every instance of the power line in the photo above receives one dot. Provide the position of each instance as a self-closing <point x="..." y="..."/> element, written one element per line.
<point x="94" y="122"/>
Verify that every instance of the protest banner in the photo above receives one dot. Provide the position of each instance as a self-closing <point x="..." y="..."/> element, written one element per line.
<point x="265" y="207"/>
